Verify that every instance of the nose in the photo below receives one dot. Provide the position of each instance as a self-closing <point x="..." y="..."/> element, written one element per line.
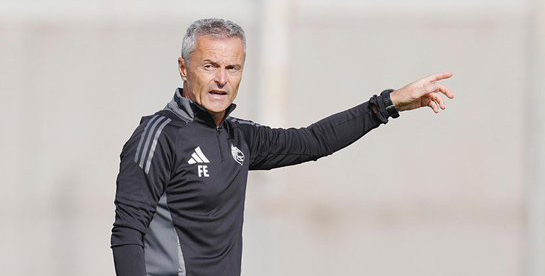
<point x="221" y="77"/>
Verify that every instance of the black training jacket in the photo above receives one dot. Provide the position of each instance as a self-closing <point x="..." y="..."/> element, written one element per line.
<point x="182" y="181"/>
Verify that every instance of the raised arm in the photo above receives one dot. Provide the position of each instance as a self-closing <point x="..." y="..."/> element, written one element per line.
<point x="273" y="148"/>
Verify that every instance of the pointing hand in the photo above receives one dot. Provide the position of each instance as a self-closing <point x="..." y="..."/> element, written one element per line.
<point x="423" y="92"/>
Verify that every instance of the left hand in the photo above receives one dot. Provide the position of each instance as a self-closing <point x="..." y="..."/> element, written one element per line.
<point x="423" y="92"/>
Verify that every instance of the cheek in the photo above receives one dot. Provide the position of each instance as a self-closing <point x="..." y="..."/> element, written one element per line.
<point x="235" y="80"/>
<point x="201" y="83"/>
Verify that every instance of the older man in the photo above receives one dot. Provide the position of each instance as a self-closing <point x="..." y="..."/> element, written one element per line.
<point x="182" y="179"/>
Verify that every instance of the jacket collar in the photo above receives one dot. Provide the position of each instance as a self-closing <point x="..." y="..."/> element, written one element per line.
<point x="187" y="110"/>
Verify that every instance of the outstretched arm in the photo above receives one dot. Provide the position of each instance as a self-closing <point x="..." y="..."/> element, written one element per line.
<point x="273" y="148"/>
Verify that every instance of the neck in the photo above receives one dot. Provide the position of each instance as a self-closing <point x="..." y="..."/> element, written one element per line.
<point x="218" y="118"/>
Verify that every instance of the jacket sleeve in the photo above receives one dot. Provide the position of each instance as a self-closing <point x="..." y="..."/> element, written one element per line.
<point x="146" y="160"/>
<point x="273" y="148"/>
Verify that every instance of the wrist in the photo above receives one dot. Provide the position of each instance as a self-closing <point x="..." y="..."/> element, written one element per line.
<point x="395" y="99"/>
<point x="389" y="103"/>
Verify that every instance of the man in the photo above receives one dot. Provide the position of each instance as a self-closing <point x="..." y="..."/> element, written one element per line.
<point x="182" y="179"/>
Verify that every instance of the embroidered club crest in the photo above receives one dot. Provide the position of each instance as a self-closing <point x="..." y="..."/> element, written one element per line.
<point x="237" y="155"/>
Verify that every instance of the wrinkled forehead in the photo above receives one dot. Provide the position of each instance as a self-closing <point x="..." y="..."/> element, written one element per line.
<point x="220" y="34"/>
<point x="219" y="38"/>
<point x="225" y="49"/>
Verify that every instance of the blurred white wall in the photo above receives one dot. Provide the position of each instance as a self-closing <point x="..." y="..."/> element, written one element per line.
<point x="459" y="193"/>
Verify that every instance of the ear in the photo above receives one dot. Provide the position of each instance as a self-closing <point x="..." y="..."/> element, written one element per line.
<point x="182" y="68"/>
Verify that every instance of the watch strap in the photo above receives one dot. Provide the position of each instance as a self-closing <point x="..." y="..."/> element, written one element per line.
<point x="390" y="107"/>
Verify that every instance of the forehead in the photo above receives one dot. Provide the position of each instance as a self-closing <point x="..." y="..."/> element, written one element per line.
<point x="219" y="49"/>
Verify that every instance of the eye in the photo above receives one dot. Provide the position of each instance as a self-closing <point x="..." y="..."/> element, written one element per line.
<point x="233" y="68"/>
<point x="208" y="66"/>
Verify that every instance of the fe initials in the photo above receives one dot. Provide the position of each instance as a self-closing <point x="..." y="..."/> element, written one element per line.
<point x="202" y="170"/>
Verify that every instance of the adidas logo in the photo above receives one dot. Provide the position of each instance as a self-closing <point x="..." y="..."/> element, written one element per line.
<point x="198" y="157"/>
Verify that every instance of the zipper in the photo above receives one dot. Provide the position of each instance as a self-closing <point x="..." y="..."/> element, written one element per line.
<point x="218" y="134"/>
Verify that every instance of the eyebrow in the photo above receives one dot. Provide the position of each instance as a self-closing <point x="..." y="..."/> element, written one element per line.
<point x="209" y="61"/>
<point x="216" y="63"/>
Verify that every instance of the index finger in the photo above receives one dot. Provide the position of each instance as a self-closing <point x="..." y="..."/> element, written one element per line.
<point x="437" y="77"/>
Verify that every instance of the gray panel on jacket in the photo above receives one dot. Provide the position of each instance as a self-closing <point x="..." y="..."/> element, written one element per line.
<point x="161" y="244"/>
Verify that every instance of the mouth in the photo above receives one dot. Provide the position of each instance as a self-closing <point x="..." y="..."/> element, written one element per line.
<point x="217" y="95"/>
<point x="218" y="92"/>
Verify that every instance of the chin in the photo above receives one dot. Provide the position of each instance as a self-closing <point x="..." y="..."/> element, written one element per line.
<point x="216" y="108"/>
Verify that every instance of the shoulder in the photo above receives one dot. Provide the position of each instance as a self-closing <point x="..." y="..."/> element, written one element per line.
<point x="250" y="130"/>
<point x="242" y="122"/>
<point x="162" y="122"/>
<point x="155" y="135"/>
<point x="160" y="127"/>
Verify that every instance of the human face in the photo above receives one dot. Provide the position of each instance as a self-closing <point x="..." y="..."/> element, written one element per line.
<point x="214" y="73"/>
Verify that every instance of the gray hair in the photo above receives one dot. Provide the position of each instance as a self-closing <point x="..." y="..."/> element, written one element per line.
<point x="217" y="28"/>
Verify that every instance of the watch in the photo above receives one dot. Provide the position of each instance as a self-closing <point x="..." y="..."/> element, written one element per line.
<point x="390" y="107"/>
